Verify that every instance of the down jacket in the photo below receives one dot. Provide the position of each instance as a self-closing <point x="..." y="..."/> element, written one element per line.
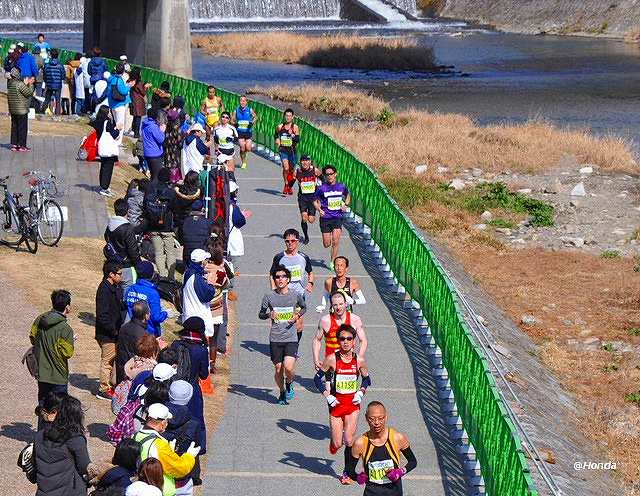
<point x="18" y="96"/>
<point x="54" y="74"/>
<point x="60" y="466"/>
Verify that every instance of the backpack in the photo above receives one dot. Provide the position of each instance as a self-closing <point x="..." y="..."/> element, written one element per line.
<point x="31" y="361"/>
<point x="111" y="254"/>
<point x="120" y="395"/>
<point x="89" y="147"/>
<point x="157" y="210"/>
<point x="184" y="362"/>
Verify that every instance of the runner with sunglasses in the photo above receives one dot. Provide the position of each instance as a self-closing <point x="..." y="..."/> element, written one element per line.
<point x="225" y="136"/>
<point x="343" y="393"/>
<point x="284" y="307"/>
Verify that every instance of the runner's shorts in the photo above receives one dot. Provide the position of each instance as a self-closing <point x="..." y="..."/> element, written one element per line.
<point x="343" y="409"/>
<point x="280" y="350"/>
<point x="289" y="155"/>
<point x="245" y="134"/>
<point x="328" y="225"/>
<point x="306" y="205"/>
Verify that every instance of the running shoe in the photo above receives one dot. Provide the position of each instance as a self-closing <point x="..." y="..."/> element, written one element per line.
<point x="243" y="165"/>
<point x="345" y="480"/>
<point x="104" y="395"/>
<point x="332" y="449"/>
<point x="14" y="148"/>
<point x="289" y="393"/>
<point x="106" y="192"/>
<point x="24" y="149"/>
<point x="282" y="399"/>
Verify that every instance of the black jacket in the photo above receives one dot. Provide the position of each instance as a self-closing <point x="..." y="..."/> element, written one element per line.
<point x="110" y="309"/>
<point x="60" y="466"/>
<point x="126" y="348"/>
<point x="115" y="477"/>
<point x="166" y="194"/>
<point x="121" y="234"/>
<point x="196" y="230"/>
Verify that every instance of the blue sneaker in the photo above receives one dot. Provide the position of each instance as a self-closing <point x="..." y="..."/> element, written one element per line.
<point x="290" y="393"/>
<point x="282" y="400"/>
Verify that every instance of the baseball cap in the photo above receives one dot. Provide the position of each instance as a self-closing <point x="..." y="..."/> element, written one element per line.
<point x="180" y="392"/>
<point x="163" y="372"/>
<point x="199" y="255"/>
<point x="197" y="127"/>
<point x="123" y="57"/>
<point x="305" y="157"/>
<point x="158" y="411"/>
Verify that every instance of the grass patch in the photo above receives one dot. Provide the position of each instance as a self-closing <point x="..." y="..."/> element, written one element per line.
<point x="633" y="398"/>
<point x="610" y="254"/>
<point x="608" y="347"/>
<point x="341" y="51"/>
<point x="333" y="99"/>
<point x="634" y="331"/>
<point x="410" y="193"/>
<point x="501" y="223"/>
<point x="610" y="367"/>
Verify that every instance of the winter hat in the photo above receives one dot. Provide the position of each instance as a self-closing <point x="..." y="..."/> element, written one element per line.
<point x="193" y="324"/>
<point x="106" y="75"/>
<point x="199" y="255"/>
<point x="139" y="488"/>
<point x="158" y="411"/>
<point x="163" y="372"/>
<point x="123" y="57"/>
<point x="145" y="270"/>
<point x="178" y="102"/>
<point x="180" y="392"/>
<point x="196" y="127"/>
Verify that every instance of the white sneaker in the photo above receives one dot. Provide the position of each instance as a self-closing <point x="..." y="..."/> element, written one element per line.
<point x="106" y="192"/>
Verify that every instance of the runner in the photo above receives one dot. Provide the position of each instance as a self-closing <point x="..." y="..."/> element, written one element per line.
<point x="341" y="282"/>
<point x="380" y="449"/>
<point x="343" y="394"/>
<point x="299" y="265"/>
<point x="224" y="137"/>
<point x="244" y="118"/>
<point x="287" y="138"/>
<point x="329" y="325"/>
<point x="211" y="107"/>
<point x="284" y="308"/>
<point x="332" y="200"/>
<point x="307" y="175"/>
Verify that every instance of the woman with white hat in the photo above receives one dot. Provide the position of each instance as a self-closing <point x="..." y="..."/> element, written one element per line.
<point x="194" y="150"/>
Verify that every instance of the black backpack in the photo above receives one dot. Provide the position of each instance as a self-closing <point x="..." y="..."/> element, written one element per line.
<point x="157" y="210"/>
<point x="184" y="362"/>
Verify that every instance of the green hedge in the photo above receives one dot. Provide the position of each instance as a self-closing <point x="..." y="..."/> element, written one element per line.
<point x="480" y="405"/>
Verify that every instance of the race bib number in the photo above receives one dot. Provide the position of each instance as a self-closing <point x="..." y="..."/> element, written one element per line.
<point x="286" y="140"/>
<point x="296" y="273"/>
<point x="308" y="187"/>
<point x="334" y="203"/>
<point x="222" y="141"/>
<point x="346" y="383"/>
<point x="244" y="125"/>
<point x="283" y="314"/>
<point x="378" y="471"/>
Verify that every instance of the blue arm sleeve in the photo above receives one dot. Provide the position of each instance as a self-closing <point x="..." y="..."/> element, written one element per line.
<point x="366" y="382"/>
<point x="202" y="148"/>
<point x="318" y="380"/>
<point x="204" y="291"/>
<point x="158" y="315"/>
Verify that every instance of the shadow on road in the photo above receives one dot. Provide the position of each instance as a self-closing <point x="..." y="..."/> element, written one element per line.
<point x="260" y="394"/>
<point x="20" y="431"/>
<point x="255" y="346"/>
<point x="84" y="382"/>
<point x="312" y="430"/>
<point x="313" y="464"/>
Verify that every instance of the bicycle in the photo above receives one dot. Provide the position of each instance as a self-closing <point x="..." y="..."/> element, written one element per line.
<point x="48" y="213"/>
<point x="17" y="219"/>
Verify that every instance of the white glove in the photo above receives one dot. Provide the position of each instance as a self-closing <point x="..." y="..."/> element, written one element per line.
<point x="193" y="450"/>
<point x="332" y="400"/>
<point x="320" y="308"/>
<point x="357" y="398"/>
<point x="172" y="443"/>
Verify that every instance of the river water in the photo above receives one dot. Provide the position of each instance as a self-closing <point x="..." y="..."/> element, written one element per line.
<point x="578" y="82"/>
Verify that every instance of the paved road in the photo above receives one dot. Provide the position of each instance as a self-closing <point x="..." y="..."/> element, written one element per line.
<point x="261" y="447"/>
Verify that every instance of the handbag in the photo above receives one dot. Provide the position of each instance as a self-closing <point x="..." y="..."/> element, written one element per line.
<point x="31" y="361"/>
<point x="26" y="462"/>
<point x="107" y="146"/>
<point x="116" y="94"/>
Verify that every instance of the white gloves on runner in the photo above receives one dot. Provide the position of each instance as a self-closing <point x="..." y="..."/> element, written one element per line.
<point x="172" y="444"/>
<point x="332" y="400"/>
<point x="193" y="450"/>
<point x="357" y="398"/>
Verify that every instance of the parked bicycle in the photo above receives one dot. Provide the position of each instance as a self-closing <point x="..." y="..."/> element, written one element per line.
<point x="16" y="219"/>
<point x="47" y="211"/>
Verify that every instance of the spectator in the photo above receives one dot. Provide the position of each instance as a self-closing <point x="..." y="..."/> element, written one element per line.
<point x="196" y="231"/>
<point x="150" y="479"/>
<point x="138" y="99"/>
<point x="61" y="455"/>
<point x="65" y="92"/>
<point x="186" y="193"/>
<point x="97" y="66"/>
<point x="19" y="96"/>
<point x="173" y="142"/>
<point x="194" y="150"/>
<point x="198" y="292"/>
<point x="108" y="133"/>
<point x="185" y="429"/>
<point x="109" y="317"/>
<point x="217" y="274"/>
<point x="49" y="409"/>
<point x="193" y="342"/>
<point x="159" y="203"/>
<point x="9" y="61"/>
<point x="122" y="246"/>
<point x="78" y="87"/>
<point x="41" y="59"/>
<point x="154" y="445"/>
<point x="237" y="219"/>
<point x="146" y="357"/>
<point x="26" y="62"/>
<point x="135" y="200"/>
<point x="52" y="337"/>
<point x="42" y="44"/>
<point x="88" y="90"/>
<point x="100" y="93"/>
<point x="152" y="133"/>
<point x="124" y="463"/>
<point x="161" y="97"/>
<point x="54" y="76"/>
<point x="118" y="96"/>
<point x="144" y="289"/>
<point x="126" y="424"/>
<point x="129" y="337"/>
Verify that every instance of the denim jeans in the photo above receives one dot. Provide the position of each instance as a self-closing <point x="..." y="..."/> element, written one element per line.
<point x="79" y="106"/>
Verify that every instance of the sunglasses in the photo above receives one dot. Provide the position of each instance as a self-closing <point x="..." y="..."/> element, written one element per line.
<point x="281" y="276"/>
<point x="291" y="240"/>
<point x="331" y="173"/>
<point x="345" y="338"/>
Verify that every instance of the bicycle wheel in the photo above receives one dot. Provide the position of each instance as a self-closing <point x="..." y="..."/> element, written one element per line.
<point x="50" y="223"/>
<point x="29" y="228"/>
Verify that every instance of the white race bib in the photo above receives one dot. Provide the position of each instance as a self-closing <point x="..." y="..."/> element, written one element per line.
<point x="283" y="314"/>
<point x="308" y="187"/>
<point x="243" y="124"/>
<point x="286" y="140"/>
<point x="346" y="383"/>
<point x="378" y="471"/>
<point x="296" y="272"/>
<point x="334" y="203"/>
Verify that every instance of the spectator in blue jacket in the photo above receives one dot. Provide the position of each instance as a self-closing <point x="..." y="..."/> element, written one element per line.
<point x="144" y="289"/>
<point x="118" y="95"/>
<point x="152" y="132"/>
<point x="26" y="62"/>
<point x="54" y="76"/>
<point x="97" y="66"/>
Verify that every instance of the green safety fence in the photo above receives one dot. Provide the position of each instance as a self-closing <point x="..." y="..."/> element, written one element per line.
<point x="480" y="405"/>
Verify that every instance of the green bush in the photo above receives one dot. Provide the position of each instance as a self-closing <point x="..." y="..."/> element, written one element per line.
<point x="610" y="254"/>
<point x="501" y="223"/>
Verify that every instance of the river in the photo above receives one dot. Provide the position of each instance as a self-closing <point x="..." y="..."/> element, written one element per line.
<point x="589" y="83"/>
